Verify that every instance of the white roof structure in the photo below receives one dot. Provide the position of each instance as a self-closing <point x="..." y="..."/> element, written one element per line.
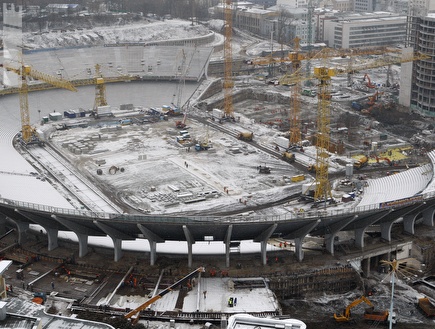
<point x="398" y="186"/>
<point x="4" y="264"/>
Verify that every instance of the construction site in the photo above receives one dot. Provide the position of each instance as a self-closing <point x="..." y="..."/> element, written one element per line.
<point x="255" y="177"/>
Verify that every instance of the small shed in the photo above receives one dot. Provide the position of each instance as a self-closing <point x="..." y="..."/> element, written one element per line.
<point x="55" y="116"/>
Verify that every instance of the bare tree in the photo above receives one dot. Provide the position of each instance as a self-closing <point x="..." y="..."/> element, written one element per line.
<point x="285" y="31"/>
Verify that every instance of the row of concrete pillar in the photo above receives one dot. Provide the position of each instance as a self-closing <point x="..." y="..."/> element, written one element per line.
<point x="297" y="236"/>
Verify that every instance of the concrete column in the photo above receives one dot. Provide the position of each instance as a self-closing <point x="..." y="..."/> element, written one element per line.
<point x="228" y="245"/>
<point x="386" y="230"/>
<point x="334" y="229"/>
<point x="190" y="242"/>
<point x="299" y="235"/>
<point x="408" y="223"/>
<point x="263" y="252"/>
<point x="80" y="231"/>
<point x="329" y="243"/>
<point x="52" y="235"/>
<point x="116" y="237"/>
<point x="83" y="244"/>
<point x="153" y="252"/>
<point x="365" y="266"/>
<point x="22" y="229"/>
<point x="2" y="224"/>
<point x="359" y="237"/>
<point x="153" y="239"/>
<point x="263" y="238"/>
<point x="428" y="216"/>
<point x="298" y="249"/>
<point x="117" y="246"/>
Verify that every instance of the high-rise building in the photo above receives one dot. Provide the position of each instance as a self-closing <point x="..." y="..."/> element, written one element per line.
<point x="421" y="34"/>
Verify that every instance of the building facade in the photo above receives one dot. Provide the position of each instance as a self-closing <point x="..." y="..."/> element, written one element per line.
<point x="342" y="5"/>
<point x="364" y="6"/>
<point x="422" y="38"/>
<point x="365" y="30"/>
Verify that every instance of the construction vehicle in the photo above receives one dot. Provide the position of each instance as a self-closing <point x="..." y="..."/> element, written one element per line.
<point x="426" y="306"/>
<point x="361" y="162"/>
<point x="263" y="169"/>
<point x="381" y="159"/>
<point x="312" y="168"/>
<point x="39" y="298"/>
<point x="181" y="124"/>
<point x="29" y="134"/>
<point x="309" y="92"/>
<point x="297" y="178"/>
<point x="369" y="82"/>
<point x="289" y="157"/>
<point x="379" y="317"/>
<point x="246" y="136"/>
<point x="357" y="106"/>
<point x="153" y="299"/>
<point x="345" y="316"/>
<point x="203" y="145"/>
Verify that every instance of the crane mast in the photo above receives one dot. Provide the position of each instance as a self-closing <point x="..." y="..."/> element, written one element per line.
<point x="295" y="110"/>
<point x="26" y="129"/>
<point x="100" y="90"/>
<point x="228" y="83"/>
<point x="323" y="187"/>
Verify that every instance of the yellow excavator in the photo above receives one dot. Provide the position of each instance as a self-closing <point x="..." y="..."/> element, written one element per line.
<point x="134" y="316"/>
<point x="345" y="317"/>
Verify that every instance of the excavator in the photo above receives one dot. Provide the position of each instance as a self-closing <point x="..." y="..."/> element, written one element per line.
<point x="369" y="82"/>
<point x="181" y="124"/>
<point x="132" y="313"/>
<point x="345" y="317"/>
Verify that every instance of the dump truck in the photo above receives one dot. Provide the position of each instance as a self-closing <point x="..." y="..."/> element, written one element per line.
<point x="361" y="162"/>
<point x="426" y="306"/>
<point x="246" y="136"/>
<point x="289" y="157"/>
<point x="373" y="316"/>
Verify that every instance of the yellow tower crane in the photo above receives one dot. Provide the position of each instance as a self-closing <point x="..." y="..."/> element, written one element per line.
<point x="295" y="110"/>
<point x="228" y="83"/>
<point x="323" y="74"/>
<point x="28" y="133"/>
<point x="100" y="90"/>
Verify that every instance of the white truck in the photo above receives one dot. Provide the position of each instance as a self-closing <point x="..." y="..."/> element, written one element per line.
<point x="282" y="142"/>
<point x="217" y="114"/>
